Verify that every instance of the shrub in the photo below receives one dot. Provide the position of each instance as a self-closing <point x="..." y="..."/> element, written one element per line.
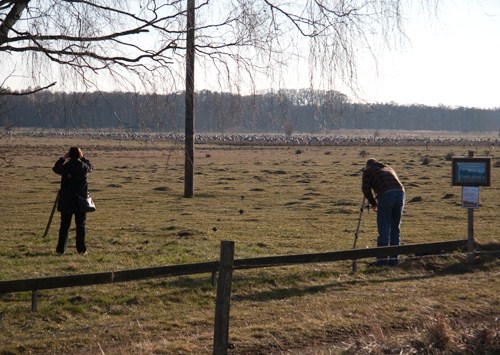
<point x="426" y="160"/>
<point x="486" y="341"/>
<point x="440" y="334"/>
<point x="363" y="153"/>
<point x="449" y="156"/>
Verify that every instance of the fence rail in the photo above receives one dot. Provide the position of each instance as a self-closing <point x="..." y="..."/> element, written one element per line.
<point x="225" y="267"/>
<point x="352" y="254"/>
<point x="44" y="283"/>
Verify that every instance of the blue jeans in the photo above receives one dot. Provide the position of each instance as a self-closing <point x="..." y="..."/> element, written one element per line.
<point x="389" y="212"/>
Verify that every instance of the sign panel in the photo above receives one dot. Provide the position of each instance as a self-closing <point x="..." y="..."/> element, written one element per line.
<point x="471" y="171"/>
<point x="470" y="197"/>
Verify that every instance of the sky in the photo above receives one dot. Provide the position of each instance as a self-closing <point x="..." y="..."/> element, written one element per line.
<point x="452" y="59"/>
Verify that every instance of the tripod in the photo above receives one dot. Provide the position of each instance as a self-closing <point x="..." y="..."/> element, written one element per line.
<point x="354" y="262"/>
<point x="51" y="215"/>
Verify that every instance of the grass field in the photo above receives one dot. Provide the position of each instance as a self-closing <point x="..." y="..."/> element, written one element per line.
<point x="270" y="201"/>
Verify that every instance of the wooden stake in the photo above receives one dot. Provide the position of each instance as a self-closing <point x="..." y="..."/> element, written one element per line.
<point x="221" y="324"/>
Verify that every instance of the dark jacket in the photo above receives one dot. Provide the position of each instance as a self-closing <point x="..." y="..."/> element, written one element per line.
<point x="73" y="182"/>
<point x="381" y="178"/>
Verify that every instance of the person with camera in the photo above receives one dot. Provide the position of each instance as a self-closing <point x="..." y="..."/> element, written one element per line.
<point x="73" y="168"/>
<point x="388" y="203"/>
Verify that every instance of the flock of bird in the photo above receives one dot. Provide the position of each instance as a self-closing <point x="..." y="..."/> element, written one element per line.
<point x="399" y="138"/>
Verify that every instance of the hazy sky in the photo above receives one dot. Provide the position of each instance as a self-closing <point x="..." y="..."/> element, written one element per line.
<point x="450" y="58"/>
<point x="453" y="59"/>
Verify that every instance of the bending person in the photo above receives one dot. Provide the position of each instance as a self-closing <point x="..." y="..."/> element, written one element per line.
<point x="388" y="203"/>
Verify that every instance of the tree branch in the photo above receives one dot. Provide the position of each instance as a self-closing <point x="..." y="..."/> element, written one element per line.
<point x="27" y="92"/>
<point x="12" y="17"/>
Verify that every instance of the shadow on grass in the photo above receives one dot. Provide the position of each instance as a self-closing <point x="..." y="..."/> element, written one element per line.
<point x="439" y="266"/>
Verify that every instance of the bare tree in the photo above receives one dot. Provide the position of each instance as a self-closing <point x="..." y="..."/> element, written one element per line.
<point x="142" y="44"/>
<point x="236" y="40"/>
<point x="89" y="38"/>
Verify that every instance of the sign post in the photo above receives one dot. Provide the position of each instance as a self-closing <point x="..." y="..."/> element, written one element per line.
<point x="470" y="173"/>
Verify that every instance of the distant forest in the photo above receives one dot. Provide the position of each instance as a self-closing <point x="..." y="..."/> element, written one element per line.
<point x="287" y="111"/>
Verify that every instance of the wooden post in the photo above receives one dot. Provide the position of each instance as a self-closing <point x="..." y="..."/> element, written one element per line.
<point x="189" y="107"/>
<point x="221" y="324"/>
<point x="470" y="227"/>
<point x="34" y="301"/>
<point x="470" y="234"/>
<point x="213" y="279"/>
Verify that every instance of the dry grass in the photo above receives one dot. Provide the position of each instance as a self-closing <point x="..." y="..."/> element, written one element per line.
<point x="270" y="201"/>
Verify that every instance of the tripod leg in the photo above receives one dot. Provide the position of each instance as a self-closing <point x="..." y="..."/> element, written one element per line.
<point x="354" y="262"/>
<point x="51" y="215"/>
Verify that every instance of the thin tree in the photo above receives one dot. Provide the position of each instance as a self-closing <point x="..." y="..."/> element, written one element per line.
<point x="141" y="45"/>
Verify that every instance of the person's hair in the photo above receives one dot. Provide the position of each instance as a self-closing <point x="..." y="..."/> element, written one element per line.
<point x="75" y="153"/>
<point x="370" y="162"/>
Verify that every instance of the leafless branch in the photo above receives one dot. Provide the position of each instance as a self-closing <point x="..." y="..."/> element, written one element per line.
<point x="92" y="36"/>
<point x="26" y="92"/>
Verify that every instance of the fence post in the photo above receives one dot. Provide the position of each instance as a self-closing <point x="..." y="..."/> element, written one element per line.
<point x="34" y="301"/>
<point x="221" y="324"/>
<point x="213" y="279"/>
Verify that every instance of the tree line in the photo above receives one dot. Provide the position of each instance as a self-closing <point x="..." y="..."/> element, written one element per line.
<point x="285" y="111"/>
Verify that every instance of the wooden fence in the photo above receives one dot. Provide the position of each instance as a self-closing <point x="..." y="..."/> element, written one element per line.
<point x="225" y="267"/>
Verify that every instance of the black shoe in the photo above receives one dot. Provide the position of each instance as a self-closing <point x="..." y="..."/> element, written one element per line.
<point x="83" y="252"/>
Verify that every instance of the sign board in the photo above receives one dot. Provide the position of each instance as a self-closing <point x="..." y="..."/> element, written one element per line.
<point x="470" y="196"/>
<point x="471" y="171"/>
